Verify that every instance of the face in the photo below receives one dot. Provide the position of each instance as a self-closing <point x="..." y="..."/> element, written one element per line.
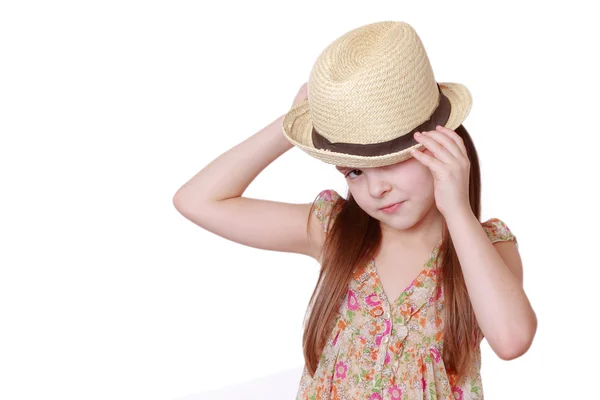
<point x="409" y="181"/>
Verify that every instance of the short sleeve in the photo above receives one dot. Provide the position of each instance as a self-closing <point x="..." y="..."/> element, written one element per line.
<point x="323" y="206"/>
<point x="498" y="231"/>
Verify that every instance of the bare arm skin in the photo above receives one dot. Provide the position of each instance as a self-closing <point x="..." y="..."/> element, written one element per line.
<point x="212" y="199"/>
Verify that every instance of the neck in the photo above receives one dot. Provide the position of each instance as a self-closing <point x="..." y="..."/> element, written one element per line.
<point x="424" y="234"/>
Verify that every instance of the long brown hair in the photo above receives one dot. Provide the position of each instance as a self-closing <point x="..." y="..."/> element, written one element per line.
<point x="353" y="239"/>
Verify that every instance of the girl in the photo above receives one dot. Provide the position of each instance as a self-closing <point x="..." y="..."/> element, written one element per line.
<point x="411" y="280"/>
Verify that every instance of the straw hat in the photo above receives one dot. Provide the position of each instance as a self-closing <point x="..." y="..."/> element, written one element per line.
<point x="368" y="92"/>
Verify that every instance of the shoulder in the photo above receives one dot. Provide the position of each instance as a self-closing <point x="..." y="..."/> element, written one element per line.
<point x="324" y="203"/>
<point x="328" y="196"/>
<point x="505" y="243"/>
<point x="498" y="231"/>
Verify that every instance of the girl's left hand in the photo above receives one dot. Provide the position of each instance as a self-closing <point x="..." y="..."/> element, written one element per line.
<point x="450" y="167"/>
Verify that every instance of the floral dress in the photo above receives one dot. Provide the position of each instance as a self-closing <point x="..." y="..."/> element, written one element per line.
<point x="391" y="350"/>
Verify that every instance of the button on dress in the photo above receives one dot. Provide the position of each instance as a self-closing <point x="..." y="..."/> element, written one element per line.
<point x="382" y="349"/>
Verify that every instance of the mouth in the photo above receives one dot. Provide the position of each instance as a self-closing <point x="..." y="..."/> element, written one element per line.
<point x="390" y="206"/>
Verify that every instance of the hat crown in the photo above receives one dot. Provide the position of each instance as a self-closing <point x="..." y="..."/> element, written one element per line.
<point x="371" y="85"/>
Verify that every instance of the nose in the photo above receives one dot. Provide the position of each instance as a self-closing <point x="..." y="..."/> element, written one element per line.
<point x="378" y="184"/>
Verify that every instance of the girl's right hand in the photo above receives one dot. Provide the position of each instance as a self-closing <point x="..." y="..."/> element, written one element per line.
<point x="302" y="95"/>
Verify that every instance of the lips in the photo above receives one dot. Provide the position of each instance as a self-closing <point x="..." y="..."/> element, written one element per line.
<point x="389" y="205"/>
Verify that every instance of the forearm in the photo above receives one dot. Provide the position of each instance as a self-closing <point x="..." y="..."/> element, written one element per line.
<point x="232" y="172"/>
<point x="499" y="301"/>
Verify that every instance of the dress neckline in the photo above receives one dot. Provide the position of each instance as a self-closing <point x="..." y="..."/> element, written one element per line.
<point x="424" y="271"/>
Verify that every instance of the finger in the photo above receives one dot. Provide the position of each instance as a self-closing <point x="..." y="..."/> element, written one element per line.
<point x="432" y="142"/>
<point x="454" y="136"/>
<point x="448" y="143"/>
<point x="431" y="162"/>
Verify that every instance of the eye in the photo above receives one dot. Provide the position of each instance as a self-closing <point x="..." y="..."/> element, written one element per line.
<point x="351" y="171"/>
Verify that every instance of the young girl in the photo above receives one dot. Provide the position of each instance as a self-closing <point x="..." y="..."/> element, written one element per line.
<point x="411" y="280"/>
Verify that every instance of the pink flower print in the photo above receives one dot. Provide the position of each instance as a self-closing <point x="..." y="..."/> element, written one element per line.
<point x="373" y="300"/>
<point x="395" y="392"/>
<point x="352" y="301"/>
<point x="340" y="370"/>
<point x="336" y="338"/>
<point x="436" y="354"/>
<point x="423" y="383"/>
<point x="457" y="393"/>
<point x="387" y="358"/>
<point x="388" y="328"/>
<point x="375" y="396"/>
<point x="438" y="293"/>
<point x="327" y="195"/>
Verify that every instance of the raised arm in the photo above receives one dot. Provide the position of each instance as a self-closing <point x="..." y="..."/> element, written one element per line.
<point x="212" y="199"/>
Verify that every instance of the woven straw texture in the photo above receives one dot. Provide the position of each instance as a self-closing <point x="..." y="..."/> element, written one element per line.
<point x="371" y="85"/>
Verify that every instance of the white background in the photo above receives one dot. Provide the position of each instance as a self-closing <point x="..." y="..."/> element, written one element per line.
<point x="108" y="107"/>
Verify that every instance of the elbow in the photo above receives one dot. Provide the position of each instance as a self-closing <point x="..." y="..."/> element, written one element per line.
<point x="518" y="343"/>
<point x="181" y="203"/>
<point x="177" y="200"/>
<point x="513" y="351"/>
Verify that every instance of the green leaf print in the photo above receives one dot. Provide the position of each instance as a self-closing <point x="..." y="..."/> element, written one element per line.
<point x="377" y="385"/>
<point x="432" y="393"/>
<point x="474" y="387"/>
<point x="349" y="315"/>
<point x="363" y="373"/>
<point x="428" y="358"/>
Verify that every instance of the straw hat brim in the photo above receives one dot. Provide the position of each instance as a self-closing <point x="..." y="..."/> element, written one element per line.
<point x="297" y="128"/>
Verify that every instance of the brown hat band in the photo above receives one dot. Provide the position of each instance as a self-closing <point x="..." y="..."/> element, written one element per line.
<point x="439" y="117"/>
